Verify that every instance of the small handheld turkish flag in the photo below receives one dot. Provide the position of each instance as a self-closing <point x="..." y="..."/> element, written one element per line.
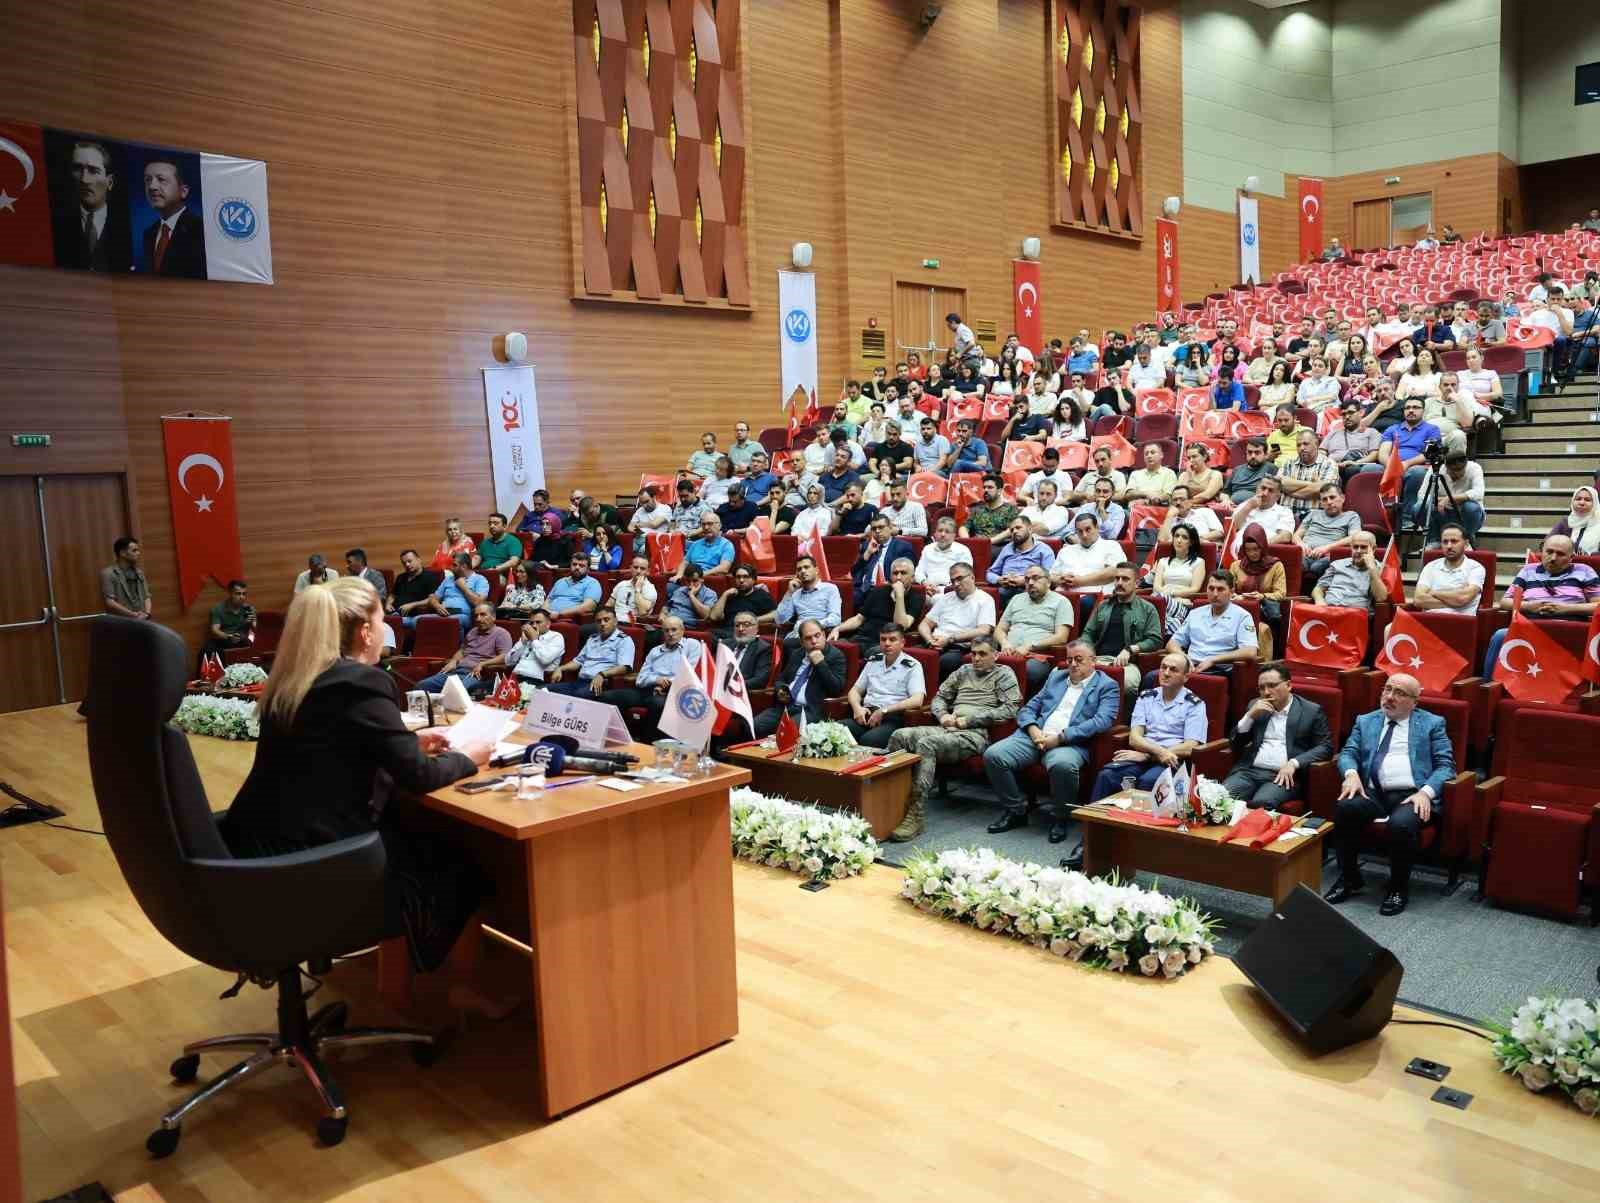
<point x="788" y="732"/>
<point x="1591" y="650"/>
<point x="1392" y="580"/>
<point x="927" y="488"/>
<point x="1534" y="667"/>
<point x="1393" y="473"/>
<point x="666" y="550"/>
<point x="1329" y="636"/>
<point x="1428" y="658"/>
<point x="812" y="546"/>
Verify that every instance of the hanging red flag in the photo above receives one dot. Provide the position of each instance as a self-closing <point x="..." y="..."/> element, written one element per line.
<point x="1166" y="265"/>
<point x="1533" y="666"/>
<point x="25" y="236"/>
<point x="1329" y="636"/>
<point x="1591" y="650"/>
<point x="1430" y="659"/>
<point x="1310" y="219"/>
<point x="1392" y="580"/>
<point x="205" y="514"/>
<point x="1027" y="318"/>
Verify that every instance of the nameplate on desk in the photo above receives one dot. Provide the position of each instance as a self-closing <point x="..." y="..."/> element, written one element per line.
<point x="592" y="724"/>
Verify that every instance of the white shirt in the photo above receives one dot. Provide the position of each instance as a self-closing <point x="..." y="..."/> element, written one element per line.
<point x="1041" y="403"/>
<point x="99" y="217"/>
<point x="909" y="519"/>
<point x="628" y="600"/>
<point x="1543" y="317"/>
<point x="951" y="613"/>
<point x="933" y="568"/>
<point x="1538" y="293"/>
<point x="818" y="458"/>
<point x="530" y="659"/>
<point x="1204" y="520"/>
<point x="1274" y="520"/>
<point x="715" y="492"/>
<point x="655" y="518"/>
<point x="303" y="581"/>
<point x="1053" y="518"/>
<point x="1061" y="716"/>
<point x="1061" y="478"/>
<point x="1147" y="375"/>
<point x="1274" y="748"/>
<point x="1437" y="576"/>
<point x="814" y="517"/>
<point x="1076" y="560"/>
<point x="1156" y="485"/>
<point x="1394" y="770"/>
<point x="1317" y="391"/>
<point x="1481" y="382"/>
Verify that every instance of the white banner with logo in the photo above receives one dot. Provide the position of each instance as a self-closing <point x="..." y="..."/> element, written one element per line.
<point x="797" y="338"/>
<point x="1249" y="241"/>
<point x="238" y="234"/>
<point x="515" y="458"/>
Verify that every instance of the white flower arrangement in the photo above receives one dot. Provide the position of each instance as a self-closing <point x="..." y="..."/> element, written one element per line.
<point x="1554" y="1042"/>
<point x="821" y="740"/>
<point x="237" y="675"/>
<point x="224" y="718"/>
<point x="823" y="844"/>
<point x="1214" y="804"/>
<point x="1097" y="921"/>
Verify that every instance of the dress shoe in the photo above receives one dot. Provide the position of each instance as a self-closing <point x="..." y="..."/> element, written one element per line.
<point x="1058" y="832"/>
<point x="1009" y="820"/>
<point x="1344" y="890"/>
<point x="1393" y="903"/>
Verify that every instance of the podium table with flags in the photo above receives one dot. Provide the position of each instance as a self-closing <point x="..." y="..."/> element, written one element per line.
<point x="878" y="788"/>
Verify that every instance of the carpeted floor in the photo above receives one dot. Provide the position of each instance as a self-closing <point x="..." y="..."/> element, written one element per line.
<point x="1468" y="958"/>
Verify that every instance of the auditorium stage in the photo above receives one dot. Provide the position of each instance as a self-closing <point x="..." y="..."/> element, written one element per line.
<point x="882" y="1054"/>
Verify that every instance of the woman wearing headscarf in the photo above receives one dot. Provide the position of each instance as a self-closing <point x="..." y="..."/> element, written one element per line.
<point x="1259" y="576"/>
<point x="1582" y="524"/>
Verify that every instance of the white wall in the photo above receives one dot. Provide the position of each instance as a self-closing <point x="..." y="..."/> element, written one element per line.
<point x="1257" y="96"/>
<point x="1553" y="40"/>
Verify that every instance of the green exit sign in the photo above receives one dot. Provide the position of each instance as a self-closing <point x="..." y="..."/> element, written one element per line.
<point x="930" y="263"/>
<point x="30" y="440"/>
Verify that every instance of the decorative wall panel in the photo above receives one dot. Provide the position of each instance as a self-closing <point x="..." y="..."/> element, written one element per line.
<point x="661" y="151"/>
<point x="1099" y="121"/>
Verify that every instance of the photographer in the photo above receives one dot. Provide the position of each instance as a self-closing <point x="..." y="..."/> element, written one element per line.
<point x="1465" y="480"/>
<point x="1408" y="440"/>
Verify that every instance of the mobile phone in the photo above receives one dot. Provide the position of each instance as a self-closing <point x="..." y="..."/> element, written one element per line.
<point x="1424" y="1068"/>
<point x="1312" y="823"/>
<point x="478" y="787"/>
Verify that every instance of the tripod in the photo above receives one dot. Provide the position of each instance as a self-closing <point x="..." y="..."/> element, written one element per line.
<point x="1586" y="344"/>
<point x="1437" y="479"/>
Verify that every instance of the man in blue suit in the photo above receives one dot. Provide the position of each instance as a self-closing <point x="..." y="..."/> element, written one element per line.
<point x="1395" y="765"/>
<point x="1056" y="726"/>
<point x="880" y="548"/>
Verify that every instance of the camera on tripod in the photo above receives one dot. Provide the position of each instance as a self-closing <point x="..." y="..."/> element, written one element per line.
<point x="1433" y="452"/>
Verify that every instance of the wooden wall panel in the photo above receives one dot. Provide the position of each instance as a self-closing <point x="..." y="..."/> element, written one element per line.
<point x="1553" y="195"/>
<point x="1465" y="194"/>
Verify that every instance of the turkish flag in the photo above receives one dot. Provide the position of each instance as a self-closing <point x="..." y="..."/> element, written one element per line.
<point x="1145" y="517"/>
<point x="927" y="488"/>
<point x="1430" y="659"/>
<point x="1591" y="644"/>
<point x="1026" y="315"/>
<point x="965" y="488"/>
<point x="1166" y="265"/>
<point x="1122" y="451"/>
<point x="1330" y="636"/>
<point x="1310" y="218"/>
<point x="666" y="550"/>
<point x="811" y="546"/>
<point x="1528" y="336"/>
<point x="205" y="514"/>
<point x="1392" y="580"/>
<point x="788" y="732"/>
<point x="1534" y="667"/>
<point x="758" y="545"/>
<point x="1393" y="473"/>
<point x="24" y="197"/>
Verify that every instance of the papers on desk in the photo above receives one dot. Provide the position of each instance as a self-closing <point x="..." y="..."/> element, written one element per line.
<point x="480" y="724"/>
<point x="505" y="748"/>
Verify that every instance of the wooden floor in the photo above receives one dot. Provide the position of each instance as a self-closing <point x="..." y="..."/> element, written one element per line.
<point x="883" y="1054"/>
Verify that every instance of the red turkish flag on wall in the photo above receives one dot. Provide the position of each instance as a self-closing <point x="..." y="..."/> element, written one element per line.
<point x="1429" y="659"/>
<point x="1591" y="655"/>
<point x="1026" y="315"/>
<point x="205" y="515"/>
<point x="1310" y="218"/>
<point x="24" y="197"/>
<point x="1166" y="265"/>
<point x="1331" y="636"/>
<point x="1533" y="666"/>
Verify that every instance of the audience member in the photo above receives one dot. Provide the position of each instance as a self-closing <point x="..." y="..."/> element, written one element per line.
<point x="1266" y="510"/>
<point x="1088" y="562"/>
<point x="906" y="516"/>
<point x="1181" y="510"/>
<point x="968" y="453"/>
<point x="1219" y="634"/>
<point x="710" y="553"/>
<point x="233" y="621"/>
<point x="1179" y="576"/>
<point x="523" y="595"/>
<point x="1350" y="445"/>
<point x="607" y="654"/>
<point x="890" y="684"/>
<point x="1453" y="581"/>
<point x="454" y="543"/>
<point x="500" y="549"/>
<point x="483" y="639"/>
<point x="1395" y="765"/>
<point x="1101" y="470"/>
<point x="355" y="564"/>
<point x="461" y="592"/>
<point x="634" y="599"/>
<point x="1276" y="741"/>
<point x="942" y="554"/>
<point x="1154" y="482"/>
<point x="1011" y="559"/>
<point x="575" y="596"/>
<point x="537" y="652"/>
<point x="1198" y="476"/>
<point x="690" y="509"/>
<point x="894" y="601"/>
<point x="1466" y="486"/>
<point x="689" y="597"/>
<point x="650" y="517"/>
<point x="1110" y="518"/>
<point x="853" y="514"/>
<point x="1354" y="582"/>
<point x="816" y="518"/>
<point x="932" y="449"/>
<point x="1123" y="626"/>
<point x="703" y="463"/>
<point x="1169" y="722"/>
<point x="654" y="679"/>
<point x="1242" y="481"/>
<point x="807" y="597"/>
<point x="1323" y="531"/>
<point x="738" y="511"/>
<point x="746" y="595"/>
<point x="1303" y="475"/>
<point x="1582" y="523"/>
<point x="759" y="482"/>
<point x="990" y="518"/>
<point x="1045" y="517"/>
<point x="812" y="672"/>
<point x="1555" y="587"/>
<point x="1036" y="621"/>
<point x="956" y="616"/>
<point x="316" y="572"/>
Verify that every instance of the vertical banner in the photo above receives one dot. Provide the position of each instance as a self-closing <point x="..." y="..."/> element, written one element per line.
<point x="1166" y="265"/>
<point x="515" y="459"/>
<point x="238" y="238"/>
<point x="797" y="343"/>
<point x="200" y="486"/>
<point x="25" y="227"/>
<point x="1027" y="318"/>
<point x="1310" y="219"/>
<point x="1249" y="241"/>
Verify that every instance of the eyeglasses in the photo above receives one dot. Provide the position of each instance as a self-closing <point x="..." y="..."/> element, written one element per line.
<point x="1391" y="691"/>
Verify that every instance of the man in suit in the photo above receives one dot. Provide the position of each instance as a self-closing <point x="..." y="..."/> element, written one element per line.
<point x="94" y="234"/>
<point x="806" y="680"/>
<point x="880" y="548"/>
<point x="175" y="245"/>
<point x="754" y="657"/>
<point x="1276" y="742"/>
<point x="1056" y="727"/>
<point x="1395" y="764"/>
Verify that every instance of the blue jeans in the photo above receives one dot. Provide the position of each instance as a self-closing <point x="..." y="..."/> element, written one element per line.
<point x="475" y="686"/>
<point x="1063" y="766"/>
<point x="1410" y="483"/>
<point x="1102" y="411"/>
<point x="1109" y="780"/>
<point x="1491" y="657"/>
<point x="1469" y="514"/>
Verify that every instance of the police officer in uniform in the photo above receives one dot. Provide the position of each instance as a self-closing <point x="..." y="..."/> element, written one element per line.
<point x="890" y="684"/>
<point x="1169" y="723"/>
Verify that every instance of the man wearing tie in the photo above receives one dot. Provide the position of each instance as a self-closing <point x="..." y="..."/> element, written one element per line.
<point x="175" y="245"/>
<point x="93" y="235"/>
<point x="1395" y="765"/>
<point x="807" y="680"/>
<point x="880" y="548"/>
<point x="1276" y="742"/>
<point x="754" y="658"/>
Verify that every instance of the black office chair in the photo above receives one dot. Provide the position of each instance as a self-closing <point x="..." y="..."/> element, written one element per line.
<point x="261" y="919"/>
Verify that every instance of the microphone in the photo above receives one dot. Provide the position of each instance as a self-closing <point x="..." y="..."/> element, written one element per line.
<point x="555" y="760"/>
<point x="569" y="745"/>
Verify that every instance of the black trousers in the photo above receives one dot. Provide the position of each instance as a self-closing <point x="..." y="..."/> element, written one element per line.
<point x="1353" y="816"/>
<point x="646" y="730"/>
<point x="876" y="737"/>
<point x="1257" y="787"/>
<point x="952" y="657"/>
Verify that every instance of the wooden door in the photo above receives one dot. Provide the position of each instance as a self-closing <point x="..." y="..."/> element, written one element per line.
<point x="84" y="516"/>
<point x="1371" y="229"/>
<point x="27" y="647"/>
<point x="919" y="311"/>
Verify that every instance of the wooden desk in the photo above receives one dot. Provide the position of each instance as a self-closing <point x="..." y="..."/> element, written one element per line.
<point x="879" y="795"/>
<point x="626" y="900"/>
<point x="1113" y="841"/>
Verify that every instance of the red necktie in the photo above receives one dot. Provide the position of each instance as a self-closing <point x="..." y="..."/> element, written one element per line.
<point x="162" y="238"/>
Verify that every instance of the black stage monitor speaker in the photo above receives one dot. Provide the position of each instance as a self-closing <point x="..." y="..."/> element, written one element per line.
<point x="1331" y="981"/>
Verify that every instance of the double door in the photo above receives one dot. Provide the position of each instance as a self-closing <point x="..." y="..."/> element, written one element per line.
<point x="56" y="534"/>
<point x="919" y="311"/>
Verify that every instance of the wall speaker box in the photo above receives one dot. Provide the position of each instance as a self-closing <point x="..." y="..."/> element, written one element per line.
<point x="1332" y="982"/>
